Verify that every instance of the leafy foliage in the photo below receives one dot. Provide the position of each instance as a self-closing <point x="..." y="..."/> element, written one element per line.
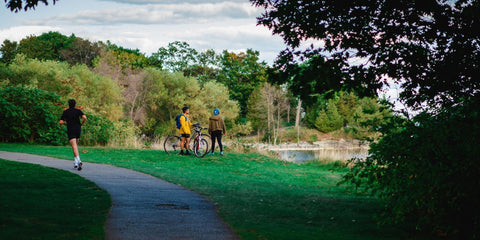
<point x="405" y="40"/>
<point x="28" y="114"/>
<point x="424" y="168"/>
<point x="329" y="120"/>
<point x="53" y="46"/>
<point x="98" y="94"/>
<point x="31" y="115"/>
<point x="176" y="57"/>
<point x="17" y="5"/>
<point x="8" y="50"/>
<point x="358" y="116"/>
<point x="98" y="131"/>
<point x="427" y="169"/>
<point x="242" y="73"/>
<point x="169" y="92"/>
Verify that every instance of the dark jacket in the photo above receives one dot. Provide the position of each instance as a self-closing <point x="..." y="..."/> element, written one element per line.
<point x="216" y="123"/>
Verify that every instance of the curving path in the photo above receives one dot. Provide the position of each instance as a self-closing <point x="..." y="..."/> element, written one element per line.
<point x="144" y="207"/>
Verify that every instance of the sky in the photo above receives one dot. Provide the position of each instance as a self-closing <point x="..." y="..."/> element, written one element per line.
<point x="148" y="25"/>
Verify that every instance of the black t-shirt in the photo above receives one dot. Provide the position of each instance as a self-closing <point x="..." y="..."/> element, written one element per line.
<point x="72" y="117"/>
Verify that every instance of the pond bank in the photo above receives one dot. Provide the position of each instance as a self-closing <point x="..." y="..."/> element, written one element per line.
<point x="330" y="150"/>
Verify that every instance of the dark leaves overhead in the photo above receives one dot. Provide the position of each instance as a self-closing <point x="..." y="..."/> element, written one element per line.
<point x="431" y="46"/>
<point x="18" y="5"/>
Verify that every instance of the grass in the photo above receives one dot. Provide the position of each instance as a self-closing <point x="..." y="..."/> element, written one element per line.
<point x="44" y="203"/>
<point x="259" y="197"/>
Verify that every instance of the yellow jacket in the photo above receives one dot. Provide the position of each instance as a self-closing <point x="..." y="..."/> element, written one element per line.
<point x="186" y="123"/>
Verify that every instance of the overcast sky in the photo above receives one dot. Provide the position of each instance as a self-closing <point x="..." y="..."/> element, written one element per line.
<point x="148" y="25"/>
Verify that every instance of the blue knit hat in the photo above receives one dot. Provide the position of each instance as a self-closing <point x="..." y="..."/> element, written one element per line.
<point x="216" y="111"/>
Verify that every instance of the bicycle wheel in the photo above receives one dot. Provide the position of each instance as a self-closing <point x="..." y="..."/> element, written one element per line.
<point x="208" y="138"/>
<point x="192" y="144"/>
<point x="200" y="148"/>
<point x="172" y="145"/>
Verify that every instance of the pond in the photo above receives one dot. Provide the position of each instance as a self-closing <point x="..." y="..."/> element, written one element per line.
<point x="300" y="156"/>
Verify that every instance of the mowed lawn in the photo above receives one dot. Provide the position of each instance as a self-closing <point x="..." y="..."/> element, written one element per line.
<point x="37" y="202"/>
<point x="259" y="197"/>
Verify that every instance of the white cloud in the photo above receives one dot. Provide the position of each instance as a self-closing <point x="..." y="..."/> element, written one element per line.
<point x="148" y="24"/>
<point x="171" y="2"/>
<point x="155" y="14"/>
<point x="20" y="32"/>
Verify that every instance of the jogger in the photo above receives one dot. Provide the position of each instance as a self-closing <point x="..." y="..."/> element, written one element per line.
<point x="71" y="117"/>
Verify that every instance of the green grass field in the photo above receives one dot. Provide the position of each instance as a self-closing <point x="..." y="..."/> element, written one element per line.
<point x="259" y="197"/>
<point x="43" y="203"/>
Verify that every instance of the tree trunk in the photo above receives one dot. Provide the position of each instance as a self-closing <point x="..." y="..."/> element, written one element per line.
<point x="299" y="110"/>
<point x="297" y="119"/>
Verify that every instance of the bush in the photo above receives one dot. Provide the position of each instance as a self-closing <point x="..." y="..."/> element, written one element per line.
<point x="97" y="130"/>
<point x="329" y="120"/>
<point x="30" y="115"/>
<point x="241" y="129"/>
<point x="124" y="134"/>
<point x="427" y="171"/>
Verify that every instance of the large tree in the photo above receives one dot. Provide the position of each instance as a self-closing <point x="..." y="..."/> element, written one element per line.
<point x="176" y="57"/>
<point x="426" y="169"/>
<point x="431" y="47"/>
<point x="242" y="73"/>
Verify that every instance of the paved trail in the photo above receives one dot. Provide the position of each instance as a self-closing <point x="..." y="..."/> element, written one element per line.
<point x="144" y="207"/>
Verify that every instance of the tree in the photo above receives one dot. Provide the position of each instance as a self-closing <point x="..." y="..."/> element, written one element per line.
<point x="427" y="171"/>
<point x="81" y="52"/>
<point x="8" y="50"/>
<point x="167" y="93"/>
<point x="206" y="66"/>
<point x="36" y="48"/>
<point x="313" y="80"/>
<point x="430" y="47"/>
<point x="131" y="81"/>
<point x="329" y="120"/>
<point x="267" y="106"/>
<point x="17" y="5"/>
<point x="177" y="57"/>
<point x="58" y="42"/>
<point x="100" y="95"/>
<point x="242" y="73"/>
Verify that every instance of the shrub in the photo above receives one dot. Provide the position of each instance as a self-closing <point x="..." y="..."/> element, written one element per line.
<point x="30" y="115"/>
<point x="97" y="130"/>
<point x="329" y="120"/>
<point x="427" y="171"/>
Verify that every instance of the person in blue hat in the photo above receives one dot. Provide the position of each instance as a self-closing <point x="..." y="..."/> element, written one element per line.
<point x="216" y="129"/>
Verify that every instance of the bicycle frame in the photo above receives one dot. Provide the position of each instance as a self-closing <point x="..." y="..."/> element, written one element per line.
<point x="198" y="140"/>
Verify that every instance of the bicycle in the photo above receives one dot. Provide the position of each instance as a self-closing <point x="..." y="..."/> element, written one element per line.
<point x="199" y="145"/>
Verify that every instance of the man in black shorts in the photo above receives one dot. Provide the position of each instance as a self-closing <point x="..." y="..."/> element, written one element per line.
<point x="71" y="117"/>
<point x="185" y="131"/>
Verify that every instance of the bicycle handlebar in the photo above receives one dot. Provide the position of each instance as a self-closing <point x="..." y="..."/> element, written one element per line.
<point x="198" y="127"/>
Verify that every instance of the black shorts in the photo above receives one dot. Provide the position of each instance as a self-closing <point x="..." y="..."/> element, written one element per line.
<point x="74" y="133"/>
<point x="185" y="135"/>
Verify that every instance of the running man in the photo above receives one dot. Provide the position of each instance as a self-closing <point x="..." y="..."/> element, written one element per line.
<point x="71" y="117"/>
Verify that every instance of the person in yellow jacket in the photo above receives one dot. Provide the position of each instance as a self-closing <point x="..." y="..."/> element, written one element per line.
<point x="216" y="128"/>
<point x="185" y="131"/>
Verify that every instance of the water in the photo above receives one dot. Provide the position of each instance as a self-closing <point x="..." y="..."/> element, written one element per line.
<point x="300" y="156"/>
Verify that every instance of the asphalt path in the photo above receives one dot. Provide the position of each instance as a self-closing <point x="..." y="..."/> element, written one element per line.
<point x="144" y="207"/>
